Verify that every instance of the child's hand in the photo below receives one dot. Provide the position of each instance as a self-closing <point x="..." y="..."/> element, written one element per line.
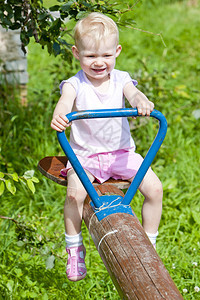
<point x="143" y="105"/>
<point x="60" y="122"/>
<point x="138" y="99"/>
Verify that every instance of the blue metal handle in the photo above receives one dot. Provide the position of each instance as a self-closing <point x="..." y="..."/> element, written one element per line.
<point x="107" y="113"/>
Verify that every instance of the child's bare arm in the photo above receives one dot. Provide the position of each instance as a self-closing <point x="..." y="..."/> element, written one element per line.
<point x="138" y="99"/>
<point x="63" y="107"/>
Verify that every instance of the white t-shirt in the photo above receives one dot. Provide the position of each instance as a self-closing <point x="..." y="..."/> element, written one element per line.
<point x="91" y="136"/>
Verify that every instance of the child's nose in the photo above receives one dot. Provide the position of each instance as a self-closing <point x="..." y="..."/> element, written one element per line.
<point x="98" y="61"/>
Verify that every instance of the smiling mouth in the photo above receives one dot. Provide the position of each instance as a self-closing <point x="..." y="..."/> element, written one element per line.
<point x="99" y="70"/>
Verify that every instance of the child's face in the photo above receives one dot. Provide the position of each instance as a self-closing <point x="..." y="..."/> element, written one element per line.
<point x="97" y="62"/>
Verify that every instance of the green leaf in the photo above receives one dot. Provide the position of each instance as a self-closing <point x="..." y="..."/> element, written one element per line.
<point x="18" y="272"/>
<point x="15" y="177"/>
<point x="45" y="297"/>
<point x="80" y="15"/>
<point x="56" y="48"/>
<point x="50" y="262"/>
<point x="24" y="294"/>
<point x="2" y="175"/>
<point x="10" y="186"/>
<point x="14" y="118"/>
<point x="54" y="8"/>
<point x="33" y="294"/>
<point x="63" y="42"/>
<point x="31" y="185"/>
<point x="28" y="174"/>
<point x="43" y="16"/>
<point x="10" y="285"/>
<point x="66" y="6"/>
<point x="10" y="168"/>
<point x="35" y="179"/>
<point x="2" y="187"/>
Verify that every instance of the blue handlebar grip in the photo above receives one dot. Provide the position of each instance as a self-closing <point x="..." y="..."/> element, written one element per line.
<point x="107" y="113"/>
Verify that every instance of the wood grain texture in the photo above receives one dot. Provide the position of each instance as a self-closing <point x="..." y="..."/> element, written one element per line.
<point x="133" y="264"/>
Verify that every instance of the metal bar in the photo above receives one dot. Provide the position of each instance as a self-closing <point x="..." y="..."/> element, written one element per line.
<point x="78" y="168"/>
<point x="102" y="113"/>
<point x="107" y="113"/>
<point x="148" y="158"/>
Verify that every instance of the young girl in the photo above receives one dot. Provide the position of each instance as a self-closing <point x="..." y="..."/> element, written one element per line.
<point x="104" y="147"/>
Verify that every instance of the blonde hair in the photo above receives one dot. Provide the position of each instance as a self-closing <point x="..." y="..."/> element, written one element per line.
<point x="97" y="26"/>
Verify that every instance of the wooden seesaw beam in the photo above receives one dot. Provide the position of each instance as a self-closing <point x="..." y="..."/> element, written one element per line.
<point x="132" y="262"/>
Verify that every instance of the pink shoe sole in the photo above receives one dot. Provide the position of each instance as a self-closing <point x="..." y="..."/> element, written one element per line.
<point x="76" y="269"/>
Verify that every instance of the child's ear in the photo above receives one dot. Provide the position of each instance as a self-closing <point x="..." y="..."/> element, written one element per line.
<point x="75" y="52"/>
<point x="118" y="50"/>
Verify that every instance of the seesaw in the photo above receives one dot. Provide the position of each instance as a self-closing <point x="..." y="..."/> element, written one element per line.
<point x="133" y="264"/>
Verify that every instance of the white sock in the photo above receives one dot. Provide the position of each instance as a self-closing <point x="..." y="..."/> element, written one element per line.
<point x="73" y="240"/>
<point x="152" y="237"/>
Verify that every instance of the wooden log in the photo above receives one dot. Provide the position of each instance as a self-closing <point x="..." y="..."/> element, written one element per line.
<point x="133" y="264"/>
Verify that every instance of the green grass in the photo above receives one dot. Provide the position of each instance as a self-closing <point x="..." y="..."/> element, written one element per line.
<point x="33" y="258"/>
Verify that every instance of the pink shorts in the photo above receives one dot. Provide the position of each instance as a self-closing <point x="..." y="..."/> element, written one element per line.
<point x="119" y="164"/>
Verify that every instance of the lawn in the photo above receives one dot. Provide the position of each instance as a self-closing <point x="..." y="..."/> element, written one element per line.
<point x="33" y="254"/>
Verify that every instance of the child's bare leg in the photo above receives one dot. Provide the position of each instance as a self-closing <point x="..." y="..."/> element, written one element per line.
<point x="73" y="208"/>
<point x="151" y="188"/>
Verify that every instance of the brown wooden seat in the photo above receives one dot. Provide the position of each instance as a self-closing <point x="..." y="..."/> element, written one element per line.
<point x="50" y="167"/>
